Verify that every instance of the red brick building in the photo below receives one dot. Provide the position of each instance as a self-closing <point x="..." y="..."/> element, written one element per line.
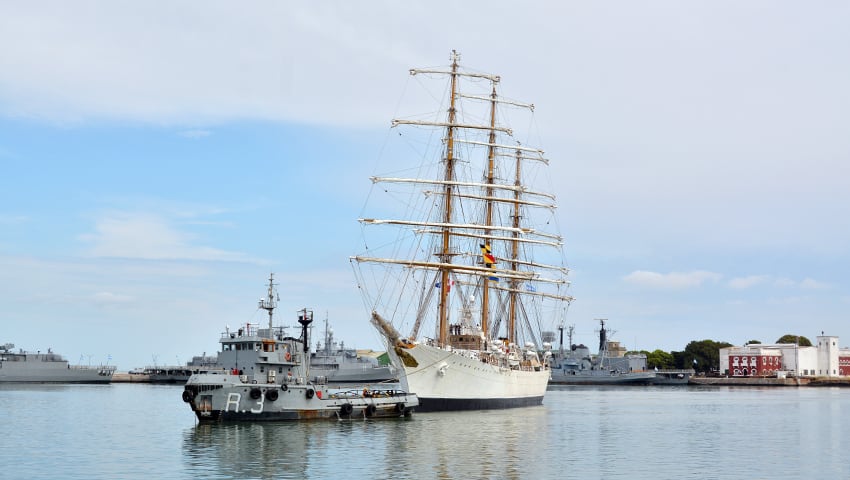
<point x="755" y="362"/>
<point x="844" y="362"/>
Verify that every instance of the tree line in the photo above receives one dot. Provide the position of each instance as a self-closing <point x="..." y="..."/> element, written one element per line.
<point x="704" y="355"/>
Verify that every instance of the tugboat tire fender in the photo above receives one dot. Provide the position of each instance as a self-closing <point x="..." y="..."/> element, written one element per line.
<point x="271" y="395"/>
<point x="284" y="387"/>
<point x="370" y="410"/>
<point x="346" y="409"/>
<point x="399" y="407"/>
<point x="255" y="393"/>
<point x="187" y="396"/>
<point x="310" y="393"/>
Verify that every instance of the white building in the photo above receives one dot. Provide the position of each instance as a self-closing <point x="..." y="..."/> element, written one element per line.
<point x="824" y="359"/>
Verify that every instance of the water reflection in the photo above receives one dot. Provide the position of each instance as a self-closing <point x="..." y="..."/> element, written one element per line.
<point x="489" y="444"/>
<point x="580" y="432"/>
<point x="253" y="450"/>
<point x="485" y="444"/>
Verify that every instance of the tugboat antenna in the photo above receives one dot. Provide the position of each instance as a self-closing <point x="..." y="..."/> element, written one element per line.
<point x="269" y="304"/>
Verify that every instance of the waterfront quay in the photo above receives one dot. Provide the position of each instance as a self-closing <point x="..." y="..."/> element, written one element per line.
<point x="772" y="381"/>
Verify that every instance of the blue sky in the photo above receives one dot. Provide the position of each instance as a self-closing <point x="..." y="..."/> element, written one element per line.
<point x="159" y="159"/>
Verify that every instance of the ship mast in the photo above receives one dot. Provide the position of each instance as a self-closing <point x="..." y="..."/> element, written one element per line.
<point x="488" y="220"/>
<point x="445" y="255"/>
<point x="269" y="304"/>
<point x="515" y="252"/>
<point x="453" y="223"/>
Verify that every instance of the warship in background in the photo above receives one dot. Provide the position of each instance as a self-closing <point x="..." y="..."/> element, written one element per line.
<point x="673" y="376"/>
<point x="609" y="367"/>
<point x="28" y="367"/>
<point x="338" y="364"/>
<point x="179" y="374"/>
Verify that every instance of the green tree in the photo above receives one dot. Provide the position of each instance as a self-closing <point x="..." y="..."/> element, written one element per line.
<point x="659" y="359"/>
<point x="804" y="342"/>
<point x="679" y="360"/>
<point x="704" y="355"/>
<point x="753" y="342"/>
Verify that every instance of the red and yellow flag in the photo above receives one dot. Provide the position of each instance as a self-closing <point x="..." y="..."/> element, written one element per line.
<point x="489" y="259"/>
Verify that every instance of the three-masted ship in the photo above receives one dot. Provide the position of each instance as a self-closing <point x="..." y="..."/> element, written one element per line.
<point x="474" y="252"/>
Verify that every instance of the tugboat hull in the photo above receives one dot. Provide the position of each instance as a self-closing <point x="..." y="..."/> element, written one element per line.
<point x="223" y="398"/>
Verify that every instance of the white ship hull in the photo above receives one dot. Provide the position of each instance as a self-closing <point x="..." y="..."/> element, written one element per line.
<point x="453" y="380"/>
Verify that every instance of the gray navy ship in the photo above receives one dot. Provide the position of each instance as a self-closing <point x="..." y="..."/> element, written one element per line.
<point x="268" y="378"/>
<point x="578" y="367"/>
<point x="336" y="363"/>
<point x="28" y="367"/>
<point x="178" y="374"/>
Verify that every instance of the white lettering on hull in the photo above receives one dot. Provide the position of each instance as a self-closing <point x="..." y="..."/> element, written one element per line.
<point x="232" y="398"/>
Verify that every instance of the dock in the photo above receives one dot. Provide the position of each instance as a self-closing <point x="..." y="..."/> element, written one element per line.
<point x="772" y="381"/>
<point x="125" y="377"/>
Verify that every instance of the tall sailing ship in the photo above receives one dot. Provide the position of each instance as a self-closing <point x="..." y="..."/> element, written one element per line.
<point x="474" y="254"/>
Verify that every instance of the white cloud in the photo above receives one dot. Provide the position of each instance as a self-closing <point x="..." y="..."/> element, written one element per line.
<point x="749" y="281"/>
<point x="174" y="65"/>
<point x="107" y="298"/>
<point x="11" y="219"/>
<point x="811" y="284"/>
<point x="149" y="236"/>
<point x="741" y="283"/>
<point x="672" y="280"/>
<point x="195" y="134"/>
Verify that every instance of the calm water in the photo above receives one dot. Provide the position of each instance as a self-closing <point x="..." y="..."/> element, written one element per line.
<point x="146" y="431"/>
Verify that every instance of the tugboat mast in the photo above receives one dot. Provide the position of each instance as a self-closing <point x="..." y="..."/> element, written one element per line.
<point x="270" y="303"/>
<point x="305" y="318"/>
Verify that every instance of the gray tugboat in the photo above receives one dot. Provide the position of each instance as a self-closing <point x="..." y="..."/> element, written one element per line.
<point x="578" y="367"/>
<point x="268" y="379"/>
<point x="28" y="367"/>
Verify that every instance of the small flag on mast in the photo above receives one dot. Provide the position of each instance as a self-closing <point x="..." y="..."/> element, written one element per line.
<point x="489" y="259"/>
